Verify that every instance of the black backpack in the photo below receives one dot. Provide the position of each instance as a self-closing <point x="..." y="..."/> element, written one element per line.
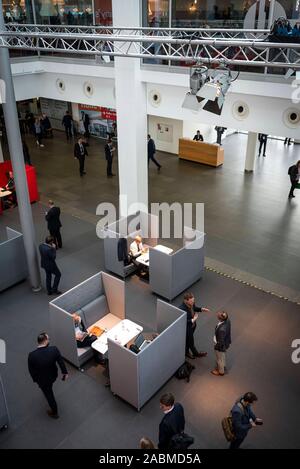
<point x="181" y="441"/>
<point x="184" y="372"/>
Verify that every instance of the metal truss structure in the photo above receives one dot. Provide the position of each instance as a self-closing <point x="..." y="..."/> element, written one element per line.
<point x="238" y="47"/>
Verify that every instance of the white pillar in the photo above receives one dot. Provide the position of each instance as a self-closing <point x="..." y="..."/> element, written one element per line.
<point x="131" y="107"/>
<point x="251" y="152"/>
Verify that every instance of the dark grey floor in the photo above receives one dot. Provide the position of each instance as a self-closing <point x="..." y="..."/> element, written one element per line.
<point x="251" y="226"/>
<point x="90" y="417"/>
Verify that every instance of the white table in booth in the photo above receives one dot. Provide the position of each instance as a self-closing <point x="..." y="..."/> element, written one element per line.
<point x="123" y="332"/>
<point x="144" y="258"/>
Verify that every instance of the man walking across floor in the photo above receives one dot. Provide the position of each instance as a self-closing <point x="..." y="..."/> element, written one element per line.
<point x="42" y="366"/>
<point x="294" y="173"/>
<point x="48" y="256"/>
<point x="67" y="123"/>
<point x="192" y="311"/>
<point x="263" y="138"/>
<point x="222" y="341"/>
<point x="152" y="151"/>
<point x="173" y="422"/>
<point x="109" y="154"/>
<point x="54" y="224"/>
<point x="243" y="418"/>
<point x="80" y="152"/>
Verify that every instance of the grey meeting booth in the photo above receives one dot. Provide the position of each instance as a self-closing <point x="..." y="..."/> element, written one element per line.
<point x="13" y="260"/>
<point x="4" y="417"/>
<point x="169" y="273"/>
<point x="99" y="300"/>
<point x="134" y="377"/>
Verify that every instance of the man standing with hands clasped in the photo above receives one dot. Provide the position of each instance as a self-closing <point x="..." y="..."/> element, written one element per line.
<point x="109" y="149"/>
<point x="192" y="311"/>
<point x="42" y="366"/>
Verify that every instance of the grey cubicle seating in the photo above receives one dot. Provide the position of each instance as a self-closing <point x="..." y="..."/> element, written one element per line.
<point x="92" y="299"/>
<point x="171" y="274"/>
<point x="13" y="260"/>
<point x="137" y="377"/>
<point x="141" y="223"/>
<point x="4" y="417"/>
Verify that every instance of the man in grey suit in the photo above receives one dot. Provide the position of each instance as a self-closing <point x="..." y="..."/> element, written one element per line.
<point x="222" y="341"/>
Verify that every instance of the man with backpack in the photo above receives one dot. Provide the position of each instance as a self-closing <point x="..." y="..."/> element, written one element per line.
<point x="294" y="173"/>
<point x="243" y="418"/>
<point x="173" y="422"/>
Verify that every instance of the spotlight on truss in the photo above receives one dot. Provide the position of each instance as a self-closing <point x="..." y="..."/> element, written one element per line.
<point x="198" y="77"/>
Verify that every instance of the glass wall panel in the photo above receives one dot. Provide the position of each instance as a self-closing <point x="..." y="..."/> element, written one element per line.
<point x="156" y="13"/>
<point x="77" y="12"/>
<point x="17" y="11"/>
<point x="210" y="13"/>
<point x="103" y="12"/>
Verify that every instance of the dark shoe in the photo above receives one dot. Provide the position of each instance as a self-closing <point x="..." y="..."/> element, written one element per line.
<point x="52" y="415"/>
<point x="291" y="196"/>
<point x="50" y="293"/>
<point x="264" y="155"/>
<point x="189" y="355"/>
<point x="107" y="384"/>
<point x="201" y="354"/>
<point x="56" y="292"/>
<point x="159" y="168"/>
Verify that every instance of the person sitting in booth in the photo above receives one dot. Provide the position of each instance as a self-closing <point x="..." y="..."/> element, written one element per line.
<point x="136" y="247"/>
<point x="84" y="338"/>
<point x="198" y="137"/>
<point x="10" y="186"/>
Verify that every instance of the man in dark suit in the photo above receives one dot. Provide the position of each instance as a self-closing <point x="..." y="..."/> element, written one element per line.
<point x="222" y="341"/>
<point x="67" y="123"/>
<point x="151" y="152"/>
<point x="42" y="365"/>
<point x="294" y="173"/>
<point x="48" y="256"/>
<point x="54" y="224"/>
<point x="192" y="311"/>
<point x="173" y="422"/>
<point x="109" y="149"/>
<point x="198" y="137"/>
<point x="80" y="152"/>
<point x="86" y="124"/>
<point x="263" y="138"/>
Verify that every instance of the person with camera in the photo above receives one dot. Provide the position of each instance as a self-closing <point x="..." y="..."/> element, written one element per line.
<point x="243" y="418"/>
<point x="48" y="263"/>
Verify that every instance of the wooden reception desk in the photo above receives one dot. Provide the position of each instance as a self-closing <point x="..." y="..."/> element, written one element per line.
<point x="201" y="152"/>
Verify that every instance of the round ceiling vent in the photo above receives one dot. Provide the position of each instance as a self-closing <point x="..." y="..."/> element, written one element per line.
<point x="291" y="118"/>
<point x="155" y="97"/>
<point x="60" y="85"/>
<point x="88" y="89"/>
<point x="240" y="110"/>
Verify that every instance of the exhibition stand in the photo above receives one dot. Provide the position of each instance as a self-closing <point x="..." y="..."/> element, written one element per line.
<point x="13" y="260"/>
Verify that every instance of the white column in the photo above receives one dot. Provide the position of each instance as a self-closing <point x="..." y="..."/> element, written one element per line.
<point x="251" y="152"/>
<point x="131" y="107"/>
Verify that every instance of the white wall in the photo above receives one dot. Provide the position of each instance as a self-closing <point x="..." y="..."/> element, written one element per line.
<point x="177" y="132"/>
<point x="267" y="101"/>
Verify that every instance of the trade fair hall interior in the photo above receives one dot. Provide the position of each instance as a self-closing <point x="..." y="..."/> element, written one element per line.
<point x="181" y="103"/>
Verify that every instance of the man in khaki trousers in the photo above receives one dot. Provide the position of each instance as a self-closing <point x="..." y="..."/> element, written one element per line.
<point x="222" y="341"/>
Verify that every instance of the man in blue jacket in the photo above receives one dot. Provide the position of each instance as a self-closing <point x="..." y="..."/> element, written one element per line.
<point x="243" y="419"/>
<point x="48" y="256"/>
